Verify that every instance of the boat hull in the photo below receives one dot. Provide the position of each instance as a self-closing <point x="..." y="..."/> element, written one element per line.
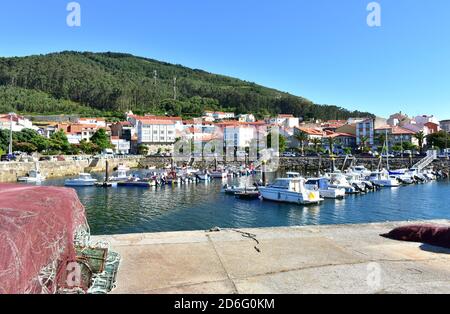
<point x="386" y="183"/>
<point x="276" y="195"/>
<point x="80" y="183"/>
<point x="332" y="193"/>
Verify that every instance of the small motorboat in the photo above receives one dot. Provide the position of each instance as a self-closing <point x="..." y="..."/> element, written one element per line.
<point x="322" y="185"/>
<point x="203" y="176"/>
<point x="339" y="181"/>
<point x="232" y="190"/>
<point x="219" y="174"/>
<point x="383" y="179"/>
<point x="84" y="179"/>
<point x="247" y="195"/>
<point x="121" y="175"/>
<point x="34" y="176"/>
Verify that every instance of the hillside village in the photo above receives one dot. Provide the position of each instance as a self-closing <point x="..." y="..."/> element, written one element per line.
<point x="156" y="135"/>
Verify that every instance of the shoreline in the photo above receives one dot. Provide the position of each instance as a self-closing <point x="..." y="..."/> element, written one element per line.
<point x="10" y="171"/>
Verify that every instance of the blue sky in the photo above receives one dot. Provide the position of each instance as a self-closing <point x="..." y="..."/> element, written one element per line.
<point x="320" y="49"/>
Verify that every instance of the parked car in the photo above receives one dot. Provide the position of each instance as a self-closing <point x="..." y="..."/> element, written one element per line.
<point x="289" y="154"/>
<point x="47" y="158"/>
<point x="8" y="157"/>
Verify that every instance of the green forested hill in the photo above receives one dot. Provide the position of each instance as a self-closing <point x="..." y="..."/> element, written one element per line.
<point x="108" y="83"/>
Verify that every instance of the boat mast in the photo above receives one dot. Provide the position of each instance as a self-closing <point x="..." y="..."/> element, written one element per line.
<point x="387" y="150"/>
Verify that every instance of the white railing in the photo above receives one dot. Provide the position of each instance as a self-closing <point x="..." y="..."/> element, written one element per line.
<point x="431" y="156"/>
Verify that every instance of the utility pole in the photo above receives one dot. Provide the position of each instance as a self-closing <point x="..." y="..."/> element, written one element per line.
<point x="10" y="150"/>
<point x="175" y="88"/>
<point x="155" y="77"/>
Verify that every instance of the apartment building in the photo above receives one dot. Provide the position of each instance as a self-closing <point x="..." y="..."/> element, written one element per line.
<point x="366" y="128"/>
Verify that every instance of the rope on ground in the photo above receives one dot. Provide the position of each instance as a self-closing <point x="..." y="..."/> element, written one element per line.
<point x="250" y="236"/>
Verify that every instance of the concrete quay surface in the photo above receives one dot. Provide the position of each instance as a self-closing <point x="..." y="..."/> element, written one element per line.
<point x="350" y="259"/>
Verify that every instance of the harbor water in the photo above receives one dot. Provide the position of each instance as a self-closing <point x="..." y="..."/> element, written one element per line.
<point x="202" y="206"/>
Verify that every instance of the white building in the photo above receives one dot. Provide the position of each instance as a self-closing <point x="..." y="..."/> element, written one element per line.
<point x="239" y="136"/>
<point x="286" y="120"/>
<point x="158" y="135"/>
<point x="99" y="122"/>
<point x="424" y="119"/>
<point x="246" y="118"/>
<point x="121" y="146"/>
<point x="219" y="115"/>
<point x="445" y="125"/>
<point x="19" y="123"/>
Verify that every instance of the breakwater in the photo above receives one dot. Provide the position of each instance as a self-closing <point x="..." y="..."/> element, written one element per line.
<point x="10" y="171"/>
<point x="305" y="164"/>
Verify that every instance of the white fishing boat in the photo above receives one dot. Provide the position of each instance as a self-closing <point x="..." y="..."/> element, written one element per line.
<point x="84" y="179"/>
<point x="382" y="178"/>
<point x="322" y="185"/>
<point x="360" y="170"/>
<point x="232" y="190"/>
<point x="219" y="174"/>
<point x="290" y="190"/>
<point x="359" y="182"/>
<point x="34" y="176"/>
<point x="404" y="176"/>
<point x="203" y="176"/>
<point x="122" y="174"/>
<point x="339" y="181"/>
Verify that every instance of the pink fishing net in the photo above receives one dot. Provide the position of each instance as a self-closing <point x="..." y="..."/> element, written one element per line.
<point x="37" y="227"/>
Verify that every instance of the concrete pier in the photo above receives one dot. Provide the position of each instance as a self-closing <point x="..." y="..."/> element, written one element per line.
<point x="313" y="259"/>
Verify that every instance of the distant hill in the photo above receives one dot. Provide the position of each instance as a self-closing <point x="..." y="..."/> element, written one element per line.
<point x="111" y="83"/>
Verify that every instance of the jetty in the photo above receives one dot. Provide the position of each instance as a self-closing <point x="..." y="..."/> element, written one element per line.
<point x="312" y="259"/>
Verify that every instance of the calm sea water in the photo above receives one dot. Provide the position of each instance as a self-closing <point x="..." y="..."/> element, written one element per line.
<point x="201" y="206"/>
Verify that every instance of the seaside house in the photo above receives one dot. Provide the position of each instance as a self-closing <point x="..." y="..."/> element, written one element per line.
<point x="246" y="118"/>
<point x="217" y="115"/>
<point x="19" y="123"/>
<point x="157" y="133"/>
<point x="121" y="146"/>
<point x="395" y="135"/>
<point x="78" y="132"/>
<point x="285" y="120"/>
<point x="366" y="129"/>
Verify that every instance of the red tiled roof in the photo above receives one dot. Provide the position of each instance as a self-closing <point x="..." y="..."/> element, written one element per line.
<point x="285" y="116"/>
<point x="310" y="131"/>
<point x="157" y="122"/>
<point x="396" y="130"/>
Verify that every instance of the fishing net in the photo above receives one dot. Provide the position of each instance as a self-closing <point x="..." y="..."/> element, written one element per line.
<point x="38" y="226"/>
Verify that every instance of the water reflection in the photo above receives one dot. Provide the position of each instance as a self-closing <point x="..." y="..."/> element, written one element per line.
<point x="202" y="206"/>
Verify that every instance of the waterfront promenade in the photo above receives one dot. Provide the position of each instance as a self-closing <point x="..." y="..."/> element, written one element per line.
<point x="313" y="259"/>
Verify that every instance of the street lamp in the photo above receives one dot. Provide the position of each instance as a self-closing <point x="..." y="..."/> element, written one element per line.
<point x="11" y="115"/>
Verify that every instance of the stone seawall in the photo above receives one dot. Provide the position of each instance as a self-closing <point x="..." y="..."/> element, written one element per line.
<point x="10" y="171"/>
<point x="306" y="164"/>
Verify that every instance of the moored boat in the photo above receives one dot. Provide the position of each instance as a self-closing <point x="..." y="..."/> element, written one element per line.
<point x="383" y="179"/>
<point x="84" y="179"/>
<point x="290" y="190"/>
<point x="34" y="176"/>
<point x="322" y="185"/>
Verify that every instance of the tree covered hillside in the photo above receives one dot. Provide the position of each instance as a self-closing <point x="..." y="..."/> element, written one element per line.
<point x="108" y="83"/>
